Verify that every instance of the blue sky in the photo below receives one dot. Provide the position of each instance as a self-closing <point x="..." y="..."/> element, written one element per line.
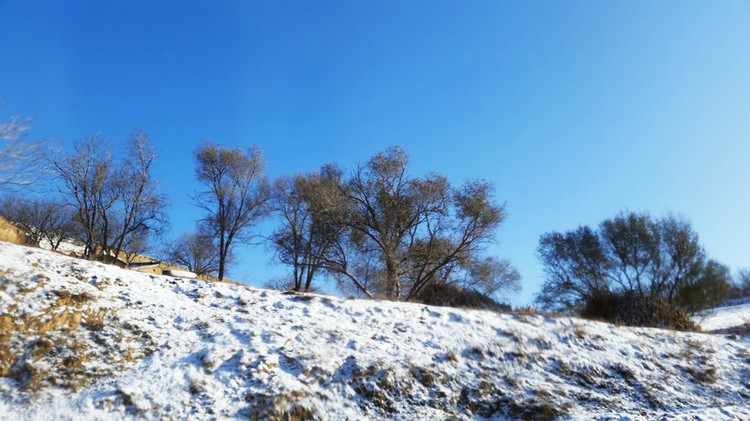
<point x="575" y="110"/>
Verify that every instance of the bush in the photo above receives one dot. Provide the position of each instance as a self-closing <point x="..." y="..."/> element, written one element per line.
<point x="446" y="295"/>
<point x="634" y="310"/>
<point x="630" y="254"/>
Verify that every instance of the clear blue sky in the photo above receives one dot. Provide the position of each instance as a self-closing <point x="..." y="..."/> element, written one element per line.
<point x="575" y="110"/>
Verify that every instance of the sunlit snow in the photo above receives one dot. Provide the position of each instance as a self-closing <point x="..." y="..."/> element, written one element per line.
<point x="201" y="350"/>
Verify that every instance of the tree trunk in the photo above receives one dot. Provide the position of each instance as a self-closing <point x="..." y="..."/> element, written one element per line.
<point x="393" y="286"/>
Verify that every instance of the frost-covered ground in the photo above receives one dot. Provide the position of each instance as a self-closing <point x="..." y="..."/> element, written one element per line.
<point x="81" y="340"/>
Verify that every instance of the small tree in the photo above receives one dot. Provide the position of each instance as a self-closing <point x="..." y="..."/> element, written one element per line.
<point x="196" y="251"/>
<point x="312" y="212"/>
<point x="236" y="197"/>
<point x="708" y="291"/>
<point x="741" y="285"/>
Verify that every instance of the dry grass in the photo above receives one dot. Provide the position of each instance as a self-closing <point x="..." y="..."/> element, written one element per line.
<point x="56" y="342"/>
<point x="702" y="375"/>
<point x="32" y="368"/>
<point x="424" y="376"/>
<point x="579" y="331"/>
<point x="71" y="299"/>
<point x="7" y="356"/>
<point x="94" y="320"/>
<point x="282" y="407"/>
<point x="697" y="362"/>
<point x="625" y="372"/>
<point x="539" y="407"/>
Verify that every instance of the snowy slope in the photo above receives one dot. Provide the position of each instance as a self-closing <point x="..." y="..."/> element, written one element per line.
<point x="82" y="340"/>
<point x="727" y="317"/>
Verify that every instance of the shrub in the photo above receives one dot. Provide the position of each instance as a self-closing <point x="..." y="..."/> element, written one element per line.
<point x="631" y="254"/>
<point x="635" y="310"/>
<point x="446" y="295"/>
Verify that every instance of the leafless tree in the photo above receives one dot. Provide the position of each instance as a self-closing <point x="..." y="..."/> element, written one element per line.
<point x="118" y="204"/>
<point x="196" y="251"/>
<point x="740" y="286"/>
<point x="236" y="197"/>
<point x="742" y="283"/>
<point x="312" y="211"/>
<point x="489" y="275"/>
<point x="419" y="230"/>
<point x="386" y="211"/>
<point x="358" y="272"/>
<point x="136" y="244"/>
<point x="449" y="245"/>
<point x="44" y="219"/>
<point x="140" y="206"/>
<point x="23" y="162"/>
<point x="86" y="176"/>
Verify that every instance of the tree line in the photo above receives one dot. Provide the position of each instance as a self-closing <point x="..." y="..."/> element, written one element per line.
<point x="380" y="232"/>
<point x="376" y="230"/>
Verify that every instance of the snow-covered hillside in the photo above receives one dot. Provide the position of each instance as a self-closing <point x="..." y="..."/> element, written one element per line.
<point x="81" y="340"/>
<point x="726" y="318"/>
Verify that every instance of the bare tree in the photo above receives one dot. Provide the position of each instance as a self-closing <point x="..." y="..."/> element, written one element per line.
<point x="236" y="197"/>
<point x="137" y="243"/>
<point x="358" y="272"/>
<point x="86" y="175"/>
<point x="743" y="282"/>
<point x="576" y="267"/>
<point x="44" y="219"/>
<point x="386" y="212"/>
<point x="22" y="161"/>
<point x="312" y="210"/>
<point x="118" y="205"/>
<point x="449" y="246"/>
<point x="418" y="230"/>
<point x="196" y="251"/>
<point x="140" y="205"/>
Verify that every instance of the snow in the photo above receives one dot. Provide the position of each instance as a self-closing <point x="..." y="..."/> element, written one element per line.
<point x="181" y="274"/>
<point x="65" y="247"/>
<point x="726" y="317"/>
<point x="172" y="348"/>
